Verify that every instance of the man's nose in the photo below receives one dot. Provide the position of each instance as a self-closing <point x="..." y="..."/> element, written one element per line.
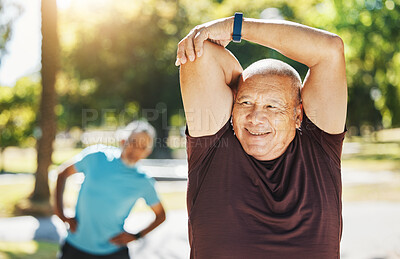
<point x="257" y="115"/>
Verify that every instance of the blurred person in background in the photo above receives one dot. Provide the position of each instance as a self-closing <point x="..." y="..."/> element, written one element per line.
<point x="112" y="185"/>
<point x="263" y="149"/>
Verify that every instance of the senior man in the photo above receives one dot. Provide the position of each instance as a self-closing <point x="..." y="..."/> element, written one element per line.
<point x="264" y="161"/>
<point x="113" y="183"/>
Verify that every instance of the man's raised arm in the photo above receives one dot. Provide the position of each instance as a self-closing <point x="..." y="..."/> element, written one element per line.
<point x="324" y="94"/>
<point x="205" y="86"/>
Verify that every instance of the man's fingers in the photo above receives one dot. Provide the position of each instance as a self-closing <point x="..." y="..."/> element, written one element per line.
<point x="73" y="227"/>
<point x="189" y="49"/>
<point x="198" y="41"/>
<point x="122" y="239"/>
<point x="116" y="240"/>
<point x="189" y="44"/>
<point x="180" y="53"/>
<point x="72" y="223"/>
<point x="186" y="47"/>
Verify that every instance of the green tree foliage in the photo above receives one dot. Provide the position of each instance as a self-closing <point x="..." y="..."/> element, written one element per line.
<point x="371" y="30"/>
<point x="9" y="12"/>
<point x="18" y="107"/>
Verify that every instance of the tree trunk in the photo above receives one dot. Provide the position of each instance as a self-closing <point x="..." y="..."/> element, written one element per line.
<point x="47" y="117"/>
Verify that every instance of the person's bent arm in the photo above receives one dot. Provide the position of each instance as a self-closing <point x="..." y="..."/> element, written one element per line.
<point x="59" y="205"/>
<point x="159" y="212"/>
<point x="125" y="237"/>
<point x="324" y="93"/>
<point x="206" y="93"/>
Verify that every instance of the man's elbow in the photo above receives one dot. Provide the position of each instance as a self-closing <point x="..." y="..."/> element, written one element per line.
<point x="62" y="175"/>
<point x="336" y="46"/>
<point x="160" y="214"/>
<point x="161" y="217"/>
<point x="65" y="171"/>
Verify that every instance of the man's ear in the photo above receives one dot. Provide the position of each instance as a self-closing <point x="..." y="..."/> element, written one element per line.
<point x="122" y="142"/>
<point x="299" y="115"/>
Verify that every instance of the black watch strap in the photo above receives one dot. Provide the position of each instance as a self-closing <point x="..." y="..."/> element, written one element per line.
<point x="137" y="235"/>
<point x="237" y="28"/>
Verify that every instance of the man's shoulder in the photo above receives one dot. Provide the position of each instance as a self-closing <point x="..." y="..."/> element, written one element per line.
<point x="204" y="143"/>
<point x="218" y="148"/>
<point x="312" y="136"/>
<point x="101" y="151"/>
<point x="311" y="129"/>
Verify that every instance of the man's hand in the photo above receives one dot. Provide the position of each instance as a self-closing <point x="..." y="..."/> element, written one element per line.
<point x="122" y="239"/>
<point x="218" y="32"/>
<point x="58" y="206"/>
<point x="72" y="223"/>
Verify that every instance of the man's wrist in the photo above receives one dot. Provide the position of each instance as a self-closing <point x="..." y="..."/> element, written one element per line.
<point x="251" y="29"/>
<point x="237" y="27"/>
<point x="245" y="25"/>
<point x="137" y="236"/>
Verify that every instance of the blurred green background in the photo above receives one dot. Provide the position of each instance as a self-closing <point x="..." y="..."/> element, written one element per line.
<point x="116" y="64"/>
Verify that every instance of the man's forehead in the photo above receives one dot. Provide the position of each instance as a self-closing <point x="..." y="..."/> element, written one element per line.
<point x="265" y="83"/>
<point x="263" y="98"/>
<point x="270" y="89"/>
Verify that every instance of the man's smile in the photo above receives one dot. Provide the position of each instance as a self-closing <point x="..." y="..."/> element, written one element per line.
<point x="258" y="132"/>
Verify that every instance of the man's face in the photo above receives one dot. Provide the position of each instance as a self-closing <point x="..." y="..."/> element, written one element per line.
<point x="264" y="115"/>
<point x="138" y="146"/>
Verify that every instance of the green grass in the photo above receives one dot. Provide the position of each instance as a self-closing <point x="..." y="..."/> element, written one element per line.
<point x="28" y="250"/>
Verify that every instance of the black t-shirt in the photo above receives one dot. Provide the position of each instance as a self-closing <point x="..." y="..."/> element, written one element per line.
<point x="240" y="207"/>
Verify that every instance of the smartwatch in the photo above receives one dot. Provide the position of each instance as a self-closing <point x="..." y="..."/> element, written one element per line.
<point x="237" y="28"/>
<point x="137" y="235"/>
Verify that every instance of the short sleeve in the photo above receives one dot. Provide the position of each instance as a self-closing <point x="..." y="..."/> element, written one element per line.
<point x="330" y="143"/>
<point x="198" y="147"/>
<point x="83" y="160"/>
<point x="150" y="195"/>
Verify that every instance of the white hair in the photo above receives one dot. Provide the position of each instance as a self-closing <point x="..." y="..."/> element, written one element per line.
<point x="137" y="126"/>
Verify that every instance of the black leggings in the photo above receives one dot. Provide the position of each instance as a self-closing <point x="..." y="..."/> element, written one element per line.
<point x="70" y="252"/>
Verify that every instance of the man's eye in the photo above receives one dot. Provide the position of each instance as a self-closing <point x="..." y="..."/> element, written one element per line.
<point x="271" y="107"/>
<point x="246" y="103"/>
